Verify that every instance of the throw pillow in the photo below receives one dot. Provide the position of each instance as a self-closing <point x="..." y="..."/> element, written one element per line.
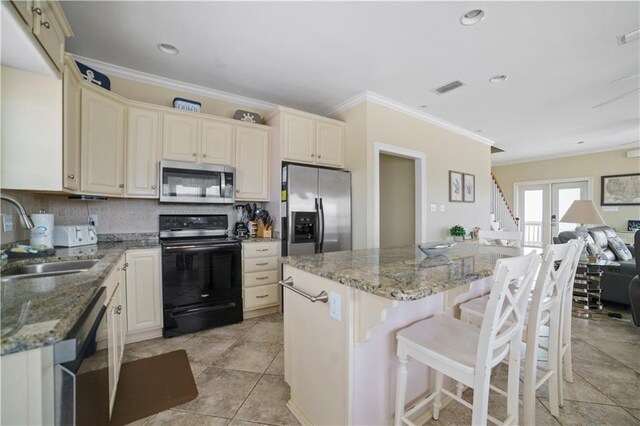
<point x="619" y="248"/>
<point x="595" y="251"/>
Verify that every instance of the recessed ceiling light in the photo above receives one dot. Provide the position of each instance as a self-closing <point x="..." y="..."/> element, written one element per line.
<point x="580" y="142"/>
<point x="629" y="36"/>
<point x="422" y="107"/>
<point x="167" y="48"/>
<point x="498" y="78"/>
<point x="472" y="17"/>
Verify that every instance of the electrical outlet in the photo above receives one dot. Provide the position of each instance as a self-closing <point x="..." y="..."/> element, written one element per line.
<point x="7" y="223"/>
<point x="93" y="220"/>
<point x="433" y="207"/>
<point x="335" y="306"/>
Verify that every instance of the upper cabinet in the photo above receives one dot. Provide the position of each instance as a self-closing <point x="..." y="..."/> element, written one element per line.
<point x="42" y="25"/>
<point x="309" y="139"/>
<point x="71" y="128"/>
<point x="252" y="164"/>
<point x="216" y="142"/>
<point x="102" y="142"/>
<point x="180" y="140"/>
<point x="143" y="132"/>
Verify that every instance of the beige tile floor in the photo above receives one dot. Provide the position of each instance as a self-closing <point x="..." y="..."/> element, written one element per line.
<point x="239" y="373"/>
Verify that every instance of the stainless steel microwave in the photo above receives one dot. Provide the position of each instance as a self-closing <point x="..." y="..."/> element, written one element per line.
<point x="182" y="182"/>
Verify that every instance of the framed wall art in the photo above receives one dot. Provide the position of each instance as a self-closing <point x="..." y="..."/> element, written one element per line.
<point x="455" y="187"/>
<point x="620" y="190"/>
<point x="469" y="184"/>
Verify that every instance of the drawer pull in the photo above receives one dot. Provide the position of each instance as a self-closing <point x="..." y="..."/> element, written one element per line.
<point x="263" y="296"/>
<point x="45" y="24"/>
<point x="37" y="10"/>
<point x="261" y="278"/>
<point x="262" y="263"/>
<point x="262" y="249"/>
<point x="71" y="176"/>
<point x="321" y="297"/>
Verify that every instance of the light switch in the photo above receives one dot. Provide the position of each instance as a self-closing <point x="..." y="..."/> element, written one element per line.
<point x="609" y="208"/>
<point x="433" y="207"/>
<point x="442" y="208"/>
<point x="335" y="306"/>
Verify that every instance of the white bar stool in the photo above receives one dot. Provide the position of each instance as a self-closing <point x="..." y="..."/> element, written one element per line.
<point x="467" y="354"/>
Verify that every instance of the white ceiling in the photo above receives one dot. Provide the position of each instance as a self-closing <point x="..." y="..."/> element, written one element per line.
<point x="560" y="58"/>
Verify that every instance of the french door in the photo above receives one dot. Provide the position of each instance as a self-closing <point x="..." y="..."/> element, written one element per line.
<point x="542" y="205"/>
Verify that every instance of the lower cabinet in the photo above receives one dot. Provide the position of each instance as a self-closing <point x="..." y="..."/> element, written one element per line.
<point x="144" y="294"/>
<point x="260" y="275"/>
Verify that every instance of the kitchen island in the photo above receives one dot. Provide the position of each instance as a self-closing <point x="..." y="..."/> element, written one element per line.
<point x="340" y="355"/>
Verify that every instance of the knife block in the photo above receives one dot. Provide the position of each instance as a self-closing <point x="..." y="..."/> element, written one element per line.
<point x="263" y="232"/>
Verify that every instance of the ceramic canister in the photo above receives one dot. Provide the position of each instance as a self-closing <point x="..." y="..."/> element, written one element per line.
<point x="42" y="231"/>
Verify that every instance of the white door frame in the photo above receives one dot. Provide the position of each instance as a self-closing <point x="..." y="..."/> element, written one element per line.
<point x="420" y="159"/>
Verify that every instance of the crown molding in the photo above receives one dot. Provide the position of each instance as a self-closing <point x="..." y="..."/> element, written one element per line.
<point x="405" y="109"/>
<point x="557" y="156"/>
<point x="143" y="77"/>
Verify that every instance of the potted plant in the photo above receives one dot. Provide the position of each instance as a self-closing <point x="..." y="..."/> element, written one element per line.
<point x="457" y="232"/>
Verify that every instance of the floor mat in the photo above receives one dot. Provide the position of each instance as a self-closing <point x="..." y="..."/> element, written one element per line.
<point x="145" y="387"/>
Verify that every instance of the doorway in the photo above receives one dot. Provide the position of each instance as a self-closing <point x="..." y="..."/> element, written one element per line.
<point x="381" y="201"/>
<point x="397" y="211"/>
<point x="541" y="205"/>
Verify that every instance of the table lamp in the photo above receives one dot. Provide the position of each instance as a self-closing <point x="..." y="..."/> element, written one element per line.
<point x="583" y="212"/>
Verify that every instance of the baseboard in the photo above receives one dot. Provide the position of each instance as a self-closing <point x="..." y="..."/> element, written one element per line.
<point x="138" y="336"/>
<point x="260" y="312"/>
<point x="298" y="414"/>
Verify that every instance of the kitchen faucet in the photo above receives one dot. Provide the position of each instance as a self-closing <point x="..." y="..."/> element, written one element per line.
<point x="24" y="217"/>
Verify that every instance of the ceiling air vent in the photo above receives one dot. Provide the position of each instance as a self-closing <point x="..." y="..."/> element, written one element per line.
<point x="495" y="150"/>
<point x="448" y="87"/>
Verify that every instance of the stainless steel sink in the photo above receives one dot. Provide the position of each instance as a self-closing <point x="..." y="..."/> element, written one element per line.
<point x="38" y="270"/>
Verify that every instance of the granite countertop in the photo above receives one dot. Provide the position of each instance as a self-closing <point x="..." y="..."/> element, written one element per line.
<point x="404" y="273"/>
<point x="260" y="240"/>
<point x="57" y="302"/>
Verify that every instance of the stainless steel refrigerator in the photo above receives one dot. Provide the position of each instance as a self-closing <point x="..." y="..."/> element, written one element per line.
<point x="317" y="203"/>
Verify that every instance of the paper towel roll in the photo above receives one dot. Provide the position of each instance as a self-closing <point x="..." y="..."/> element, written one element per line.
<point x="42" y="231"/>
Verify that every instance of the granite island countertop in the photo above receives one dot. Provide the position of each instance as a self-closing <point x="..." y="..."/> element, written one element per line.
<point x="404" y="273"/>
<point x="56" y="302"/>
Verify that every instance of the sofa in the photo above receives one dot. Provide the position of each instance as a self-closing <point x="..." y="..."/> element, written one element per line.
<point x="615" y="281"/>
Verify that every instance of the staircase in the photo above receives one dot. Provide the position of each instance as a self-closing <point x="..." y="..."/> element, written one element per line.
<point x="502" y="217"/>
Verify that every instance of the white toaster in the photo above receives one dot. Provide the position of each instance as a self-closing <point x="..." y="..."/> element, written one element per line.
<point x="74" y="235"/>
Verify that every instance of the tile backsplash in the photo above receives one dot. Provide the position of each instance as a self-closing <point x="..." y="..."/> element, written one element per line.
<point x="115" y="216"/>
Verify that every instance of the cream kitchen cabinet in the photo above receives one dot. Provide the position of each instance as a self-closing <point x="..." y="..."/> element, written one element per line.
<point x="144" y="294"/>
<point x="180" y="138"/>
<point x="260" y="275"/>
<point x="25" y="10"/>
<point x="252" y="164"/>
<point x="102" y="142"/>
<point x="216" y="139"/>
<point x="142" y="153"/>
<point x="310" y="139"/>
<point x="71" y="126"/>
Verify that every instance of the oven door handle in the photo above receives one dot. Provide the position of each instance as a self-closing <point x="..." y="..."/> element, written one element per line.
<point x="193" y="248"/>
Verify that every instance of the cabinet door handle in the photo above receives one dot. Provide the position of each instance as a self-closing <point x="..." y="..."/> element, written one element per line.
<point x="37" y="11"/>
<point x="71" y="176"/>
<point x="121" y="185"/>
<point x="153" y="187"/>
<point x="204" y="155"/>
<point x="319" y="156"/>
<point x="312" y="155"/>
<point x="194" y="154"/>
<point x="237" y="191"/>
<point x="118" y="310"/>
<point x="45" y="24"/>
<point x="261" y="278"/>
<point x="263" y="296"/>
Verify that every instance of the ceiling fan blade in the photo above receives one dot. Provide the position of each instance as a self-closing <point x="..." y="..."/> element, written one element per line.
<point x="629" y="77"/>
<point x="616" y="98"/>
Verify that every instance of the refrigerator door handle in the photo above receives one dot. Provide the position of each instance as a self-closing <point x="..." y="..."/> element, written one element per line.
<point x="316" y="237"/>
<point x="322" y="231"/>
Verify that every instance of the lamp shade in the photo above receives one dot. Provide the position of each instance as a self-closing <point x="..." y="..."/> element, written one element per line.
<point x="583" y="211"/>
